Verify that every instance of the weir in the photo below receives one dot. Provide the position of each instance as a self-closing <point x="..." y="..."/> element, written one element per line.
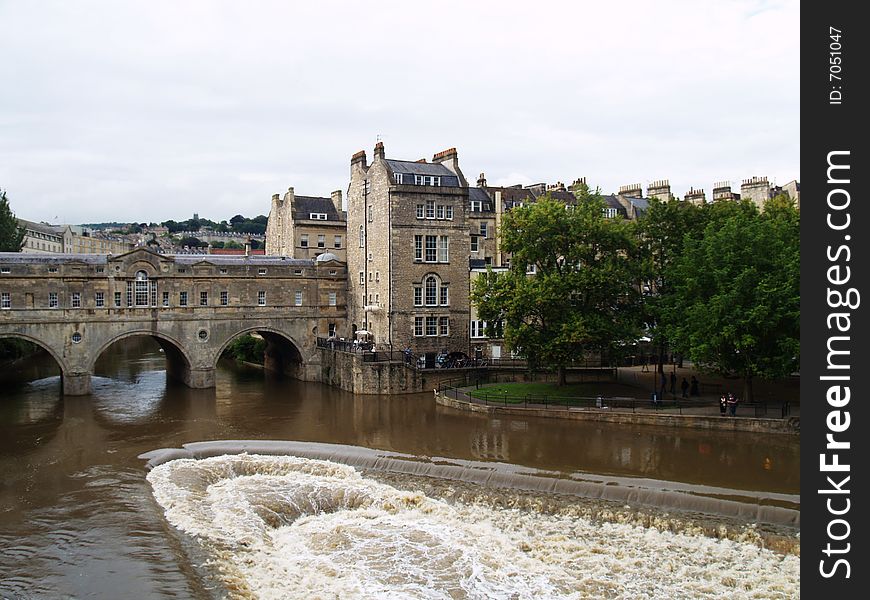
<point x="758" y="507"/>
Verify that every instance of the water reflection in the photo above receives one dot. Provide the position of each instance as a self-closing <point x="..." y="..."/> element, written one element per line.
<point x="73" y="491"/>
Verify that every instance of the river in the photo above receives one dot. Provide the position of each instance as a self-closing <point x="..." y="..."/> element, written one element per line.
<point x="79" y="519"/>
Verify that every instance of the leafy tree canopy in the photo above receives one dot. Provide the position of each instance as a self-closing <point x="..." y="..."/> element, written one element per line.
<point x="583" y="293"/>
<point x="735" y="301"/>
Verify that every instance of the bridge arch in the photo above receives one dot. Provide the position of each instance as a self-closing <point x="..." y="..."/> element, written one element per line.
<point x="178" y="362"/>
<point x="58" y="358"/>
<point x="283" y="354"/>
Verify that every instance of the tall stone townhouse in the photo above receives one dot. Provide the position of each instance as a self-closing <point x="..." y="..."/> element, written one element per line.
<point x="306" y="226"/>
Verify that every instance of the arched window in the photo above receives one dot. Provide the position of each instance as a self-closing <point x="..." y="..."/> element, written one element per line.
<point x="431" y="285"/>
<point x="141" y="289"/>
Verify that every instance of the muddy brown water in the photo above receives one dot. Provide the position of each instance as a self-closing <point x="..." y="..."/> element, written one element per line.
<point x="77" y="518"/>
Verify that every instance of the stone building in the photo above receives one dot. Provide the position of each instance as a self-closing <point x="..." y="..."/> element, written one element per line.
<point x="408" y="252"/>
<point x="70" y="239"/>
<point x="41" y="237"/>
<point x="722" y="191"/>
<point x="306" y="226"/>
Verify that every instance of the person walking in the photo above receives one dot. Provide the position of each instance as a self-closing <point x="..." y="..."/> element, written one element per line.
<point x="723" y="404"/>
<point x="673" y="382"/>
<point x="694" y="391"/>
<point x="685" y="387"/>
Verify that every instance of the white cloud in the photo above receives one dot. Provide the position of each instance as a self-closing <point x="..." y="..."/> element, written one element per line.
<point x="150" y="111"/>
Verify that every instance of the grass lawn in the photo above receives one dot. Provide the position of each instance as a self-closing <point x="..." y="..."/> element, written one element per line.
<point x="516" y="392"/>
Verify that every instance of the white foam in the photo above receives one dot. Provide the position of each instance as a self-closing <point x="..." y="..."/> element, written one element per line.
<point x="287" y="527"/>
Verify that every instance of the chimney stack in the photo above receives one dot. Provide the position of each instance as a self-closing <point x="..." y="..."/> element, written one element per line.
<point x="379" y="151"/>
<point x="481" y="181"/>
<point x="359" y="157"/>
<point x="336" y="201"/>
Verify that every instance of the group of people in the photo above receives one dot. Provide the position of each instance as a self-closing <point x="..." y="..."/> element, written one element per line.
<point x="687" y="388"/>
<point x="728" y="403"/>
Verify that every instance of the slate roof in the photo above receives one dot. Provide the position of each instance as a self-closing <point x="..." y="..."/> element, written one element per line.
<point x="49" y="259"/>
<point x="418" y="168"/>
<point x="480" y="195"/>
<point x="407" y="167"/>
<point x="41" y="227"/>
<point x="305" y="205"/>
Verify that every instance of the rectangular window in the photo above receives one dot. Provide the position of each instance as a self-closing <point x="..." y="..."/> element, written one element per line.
<point x="531" y="269"/>
<point x="362" y="277"/>
<point x="261" y="271"/>
<point x="203" y="298"/>
<point x="100" y="299"/>
<point x="444" y="326"/>
<point x="397" y="177"/>
<point x="337" y="242"/>
<point x="224" y="271"/>
<point x="5" y="300"/>
<point x="333" y="299"/>
<point x="431" y="292"/>
<point x="225" y="298"/>
<point x="362" y="236"/>
<point x="331" y="330"/>
<point x="474" y="243"/>
<point x="371" y="276"/>
<point x="418" y="247"/>
<point x="52" y="300"/>
<point x="371" y="213"/>
<point x="261" y="298"/>
<point x="443" y="247"/>
<point x="317" y="216"/>
<point x="321" y="241"/>
<point x="439" y="211"/>
<point x="5" y="270"/>
<point x="76" y="300"/>
<point x="444" y="299"/>
<point x="418" y="326"/>
<point x="377" y="275"/>
<point x="165" y="298"/>
<point x="431" y="325"/>
<point x="431" y="248"/>
<point x="476" y="205"/>
<point x="421" y="211"/>
<point x="449" y="210"/>
<point x="297" y="299"/>
<point x="483" y="231"/>
<point x="117" y="299"/>
<point x="182" y="298"/>
<point x="100" y="270"/>
<point x="303" y="240"/>
<point x="418" y="296"/>
<point x="377" y="299"/>
<point x="430" y="209"/>
<point x="52" y="269"/>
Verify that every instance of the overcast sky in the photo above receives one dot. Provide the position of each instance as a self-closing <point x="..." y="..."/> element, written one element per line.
<point x="147" y="111"/>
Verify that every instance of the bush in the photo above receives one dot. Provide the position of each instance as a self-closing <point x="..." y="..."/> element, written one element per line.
<point x="247" y="349"/>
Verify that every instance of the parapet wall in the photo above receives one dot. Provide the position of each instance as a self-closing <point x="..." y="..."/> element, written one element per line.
<point x="788" y="426"/>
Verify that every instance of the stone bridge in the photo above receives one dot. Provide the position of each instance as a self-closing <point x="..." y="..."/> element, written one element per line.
<point x="76" y="306"/>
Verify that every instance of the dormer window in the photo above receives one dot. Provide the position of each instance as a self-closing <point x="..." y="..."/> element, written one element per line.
<point x="476" y="206"/>
<point x="427" y="180"/>
<point x="610" y="213"/>
<point x="397" y="177"/>
<point x="318" y="216"/>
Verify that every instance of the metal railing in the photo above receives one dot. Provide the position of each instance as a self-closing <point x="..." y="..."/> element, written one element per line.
<point x="473" y="388"/>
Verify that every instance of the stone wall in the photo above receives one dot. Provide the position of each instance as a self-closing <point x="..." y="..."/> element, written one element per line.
<point x="718" y="423"/>
<point x="346" y="370"/>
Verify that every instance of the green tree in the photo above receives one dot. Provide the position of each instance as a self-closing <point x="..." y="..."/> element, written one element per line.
<point x="11" y="233"/>
<point x="735" y="302"/>
<point x="583" y="293"/>
<point x="663" y="231"/>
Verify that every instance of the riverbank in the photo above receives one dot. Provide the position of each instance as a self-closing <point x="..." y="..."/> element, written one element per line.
<point x="458" y="399"/>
